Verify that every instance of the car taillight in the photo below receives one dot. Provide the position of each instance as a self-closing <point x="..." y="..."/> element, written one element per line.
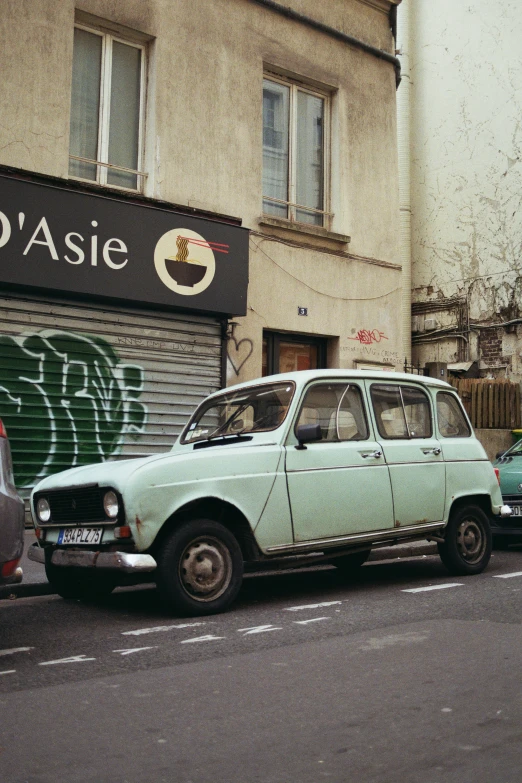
<point x="9" y="568"/>
<point x="3" y="433"/>
<point x="497" y="474"/>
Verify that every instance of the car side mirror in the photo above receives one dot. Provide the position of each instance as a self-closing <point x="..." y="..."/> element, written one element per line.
<point x="308" y="433"/>
<point x="499" y="454"/>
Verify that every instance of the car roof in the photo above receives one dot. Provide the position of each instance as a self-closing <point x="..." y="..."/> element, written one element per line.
<point x="302" y="377"/>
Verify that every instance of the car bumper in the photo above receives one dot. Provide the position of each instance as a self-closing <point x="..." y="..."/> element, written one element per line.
<point x="125" y="562"/>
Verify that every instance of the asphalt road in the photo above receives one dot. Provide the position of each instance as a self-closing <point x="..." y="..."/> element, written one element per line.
<point x="307" y="678"/>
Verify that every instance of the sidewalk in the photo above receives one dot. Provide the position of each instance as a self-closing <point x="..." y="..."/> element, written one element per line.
<point x="35" y="582"/>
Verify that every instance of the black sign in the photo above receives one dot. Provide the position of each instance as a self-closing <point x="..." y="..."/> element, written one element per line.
<point x="60" y="239"/>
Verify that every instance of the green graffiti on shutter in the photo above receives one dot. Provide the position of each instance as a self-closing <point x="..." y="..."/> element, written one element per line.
<point x="66" y="400"/>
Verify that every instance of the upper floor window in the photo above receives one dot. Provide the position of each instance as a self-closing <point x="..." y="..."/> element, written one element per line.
<point x="106" y="134"/>
<point x="294" y="167"/>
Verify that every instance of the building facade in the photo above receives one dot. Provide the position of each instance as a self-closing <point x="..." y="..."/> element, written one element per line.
<point x="461" y="134"/>
<point x="191" y="195"/>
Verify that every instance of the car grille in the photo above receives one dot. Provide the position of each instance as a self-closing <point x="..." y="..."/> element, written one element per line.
<point x="512" y="498"/>
<point x="82" y="505"/>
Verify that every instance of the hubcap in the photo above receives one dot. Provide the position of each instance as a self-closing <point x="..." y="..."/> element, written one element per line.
<point x="205" y="568"/>
<point x="471" y="541"/>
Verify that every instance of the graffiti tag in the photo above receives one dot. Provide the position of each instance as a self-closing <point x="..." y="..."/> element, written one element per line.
<point x="66" y="400"/>
<point x="367" y="337"/>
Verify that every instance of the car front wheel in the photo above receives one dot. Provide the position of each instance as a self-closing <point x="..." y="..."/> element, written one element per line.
<point x="200" y="568"/>
<point x="468" y="542"/>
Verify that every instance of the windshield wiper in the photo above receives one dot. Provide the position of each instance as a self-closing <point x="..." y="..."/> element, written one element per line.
<point x="218" y="432"/>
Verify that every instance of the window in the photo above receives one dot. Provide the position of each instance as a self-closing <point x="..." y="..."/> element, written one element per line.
<point x="290" y="352"/>
<point x="452" y="422"/>
<point x="338" y="409"/>
<point x="106" y="131"/>
<point x="294" y="147"/>
<point x="401" y="412"/>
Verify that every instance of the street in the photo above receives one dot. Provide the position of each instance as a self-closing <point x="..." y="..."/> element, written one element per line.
<point x="401" y="674"/>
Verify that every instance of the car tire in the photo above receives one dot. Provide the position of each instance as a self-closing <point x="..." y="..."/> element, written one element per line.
<point x="349" y="564"/>
<point x="200" y="568"/>
<point x="468" y="542"/>
<point x="79" y="583"/>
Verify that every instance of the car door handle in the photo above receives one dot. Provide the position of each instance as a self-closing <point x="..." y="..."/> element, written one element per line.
<point x="375" y="454"/>
<point x="435" y="451"/>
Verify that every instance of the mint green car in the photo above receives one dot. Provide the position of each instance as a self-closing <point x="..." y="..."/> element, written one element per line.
<point x="300" y="468"/>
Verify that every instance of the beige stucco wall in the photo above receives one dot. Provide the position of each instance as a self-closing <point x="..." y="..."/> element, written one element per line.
<point x="204" y="144"/>
<point x="466" y="68"/>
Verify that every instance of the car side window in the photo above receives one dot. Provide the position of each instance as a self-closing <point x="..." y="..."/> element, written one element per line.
<point x="338" y="409"/>
<point x="450" y="417"/>
<point x="401" y="412"/>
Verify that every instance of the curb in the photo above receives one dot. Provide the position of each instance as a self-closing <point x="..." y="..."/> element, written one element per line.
<point x="397" y="552"/>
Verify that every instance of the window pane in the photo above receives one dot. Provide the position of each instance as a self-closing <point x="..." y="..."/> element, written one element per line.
<point x="452" y="422"/>
<point x="297" y="356"/>
<point x="351" y="420"/>
<point x="276" y="102"/>
<point x="125" y="114"/>
<point x="389" y="413"/>
<point x="85" y="102"/>
<point x="320" y="407"/>
<point x="418" y="415"/>
<point x="310" y="163"/>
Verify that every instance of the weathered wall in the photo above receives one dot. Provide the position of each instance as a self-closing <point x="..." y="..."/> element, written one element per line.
<point x="466" y="66"/>
<point x="204" y="147"/>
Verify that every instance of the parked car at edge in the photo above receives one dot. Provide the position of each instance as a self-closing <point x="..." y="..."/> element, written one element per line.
<point x="300" y="468"/>
<point x="509" y="466"/>
<point x="12" y="517"/>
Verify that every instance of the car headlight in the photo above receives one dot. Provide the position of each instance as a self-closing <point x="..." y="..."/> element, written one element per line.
<point x="110" y="504"/>
<point x="43" y="510"/>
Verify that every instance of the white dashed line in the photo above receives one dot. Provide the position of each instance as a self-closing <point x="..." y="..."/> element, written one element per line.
<point x="14" y="650"/>
<point x="159" y="629"/>
<point x="131" y="650"/>
<point x="207" y="638"/>
<point x="507" y="576"/>
<point x="71" y="659"/>
<point x="312" y="620"/>
<point x="433" y="587"/>
<point x="311" y="606"/>
<point x="259" y="629"/>
<point x="8" y="671"/>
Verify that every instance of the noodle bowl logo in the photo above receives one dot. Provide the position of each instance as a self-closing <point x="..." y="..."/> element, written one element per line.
<point x="185" y="261"/>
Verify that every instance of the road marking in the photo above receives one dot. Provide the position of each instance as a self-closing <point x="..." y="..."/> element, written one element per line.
<point x="208" y="638"/>
<point x="311" y="606"/>
<point x="312" y="620"/>
<point x="14" y="650"/>
<point x="71" y="659"/>
<point x="504" y="576"/>
<point x="258" y="629"/>
<point x="433" y="587"/>
<point x="159" y="628"/>
<point x="131" y="650"/>
<point x="8" y="671"/>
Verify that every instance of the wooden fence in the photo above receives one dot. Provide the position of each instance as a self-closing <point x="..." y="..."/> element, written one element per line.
<point x="490" y="404"/>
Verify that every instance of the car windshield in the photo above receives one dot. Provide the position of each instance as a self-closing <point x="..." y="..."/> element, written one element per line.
<point x="515" y="450"/>
<point x="254" y="409"/>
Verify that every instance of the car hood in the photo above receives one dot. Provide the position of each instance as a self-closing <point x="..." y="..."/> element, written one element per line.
<point x="103" y="473"/>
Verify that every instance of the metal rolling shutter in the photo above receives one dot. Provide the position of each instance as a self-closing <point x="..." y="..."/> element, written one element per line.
<point x="82" y="384"/>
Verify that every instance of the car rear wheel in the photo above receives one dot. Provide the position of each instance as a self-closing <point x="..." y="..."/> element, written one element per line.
<point x="200" y="568"/>
<point x="79" y="583"/>
<point x="467" y="545"/>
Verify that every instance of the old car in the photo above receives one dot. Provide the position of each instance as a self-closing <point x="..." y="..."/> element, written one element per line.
<point x="509" y="465"/>
<point x="292" y="469"/>
<point x="12" y="517"/>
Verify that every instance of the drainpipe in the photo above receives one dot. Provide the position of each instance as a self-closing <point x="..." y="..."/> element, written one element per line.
<point x="404" y="152"/>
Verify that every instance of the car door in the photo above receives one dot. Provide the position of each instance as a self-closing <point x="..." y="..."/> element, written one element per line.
<point x="405" y="425"/>
<point x="339" y="485"/>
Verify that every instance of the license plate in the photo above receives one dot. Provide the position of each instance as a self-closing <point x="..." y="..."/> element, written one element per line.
<point x="517" y="511"/>
<point x="80" y="535"/>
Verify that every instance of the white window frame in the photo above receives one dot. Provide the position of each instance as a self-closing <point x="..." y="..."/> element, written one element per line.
<point x="102" y="164"/>
<point x="292" y="205"/>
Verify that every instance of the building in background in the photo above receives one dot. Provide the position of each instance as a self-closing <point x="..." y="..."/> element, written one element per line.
<point x="191" y="194"/>
<point x="460" y="155"/>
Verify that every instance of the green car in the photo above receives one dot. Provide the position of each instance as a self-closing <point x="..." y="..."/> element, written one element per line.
<point x="300" y="468"/>
<point x="509" y="466"/>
